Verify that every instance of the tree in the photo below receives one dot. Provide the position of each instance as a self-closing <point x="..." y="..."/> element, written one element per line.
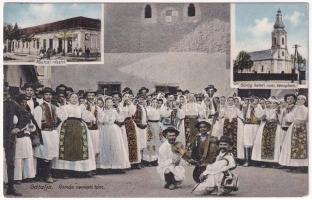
<point x="242" y="62"/>
<point x="300" y="62"/>
<point x="11" y="33"/>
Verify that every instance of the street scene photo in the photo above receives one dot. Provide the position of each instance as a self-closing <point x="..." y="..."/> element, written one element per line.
<point x="70" y="32"/>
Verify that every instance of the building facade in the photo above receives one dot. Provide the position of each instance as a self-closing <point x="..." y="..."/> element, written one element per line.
<point x="274" y="60"/>
<point x="60" y="37"/>
<point x="159" y="46"/>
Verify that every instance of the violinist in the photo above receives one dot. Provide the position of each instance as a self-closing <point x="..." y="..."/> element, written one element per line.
<point x="169" y="160"/>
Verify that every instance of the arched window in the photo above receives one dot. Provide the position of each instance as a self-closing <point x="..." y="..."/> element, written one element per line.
<point x="283" y="41"/>
<point x="262" y="68"/>
<point x="148" y="11"/>
<point x="191" y="10"/>
<point x="282" y="53"/>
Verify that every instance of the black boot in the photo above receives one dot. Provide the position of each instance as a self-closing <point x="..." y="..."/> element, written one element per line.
<point x="12" y="191"/>
<point x="48" y="172"/>
<point x="246" y="155"/>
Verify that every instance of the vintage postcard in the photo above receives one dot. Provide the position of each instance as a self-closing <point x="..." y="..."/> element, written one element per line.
<point x="52" y="34"/>
<point x="161" y="116"/>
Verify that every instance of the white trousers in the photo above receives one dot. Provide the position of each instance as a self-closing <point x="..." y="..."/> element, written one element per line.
<point x="24" y="168"/>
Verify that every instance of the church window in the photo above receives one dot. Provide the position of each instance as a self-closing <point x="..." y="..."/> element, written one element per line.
<point x="148" y="11"/>
<point x="283" y="41"/>
<point x="282" y="53"/>
<point x="191" y="10"/>
<point x="262" y="68"/>
<point x="274" y="41"/>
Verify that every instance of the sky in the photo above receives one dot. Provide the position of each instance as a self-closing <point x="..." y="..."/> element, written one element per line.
<point x="32" y="14"/>
<point x="254" y="24"/>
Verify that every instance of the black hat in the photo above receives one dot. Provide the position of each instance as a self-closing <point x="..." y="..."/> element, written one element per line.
<point x="143" y="88"/>
<point x="226" y="139"/>
<point x="118" y="93"/>
<point x="89" y="91"/>
<point x="47" y="90"/>
<point x="211" y="86"/>
<point x="186" y="92"/>
<point x="38" y="85"/>
<point x="127" y="90"/>
<point x="203" y="122"/>
<point x="60" y="86"/>
<point x="171" y="130"/>
<point x="290" y="95"/>
<point x="28" y="85"/>
<point x="19" y="98"/>
<point x="69" y="89"/>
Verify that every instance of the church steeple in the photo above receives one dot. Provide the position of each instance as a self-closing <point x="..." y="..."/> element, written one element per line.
<point x="279" y="21"/>
<point x="279" y="34"/>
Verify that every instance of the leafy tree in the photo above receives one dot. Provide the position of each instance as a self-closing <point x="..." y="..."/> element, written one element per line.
<point x="299" y="61"/>
<point x="11" y="33"/>
<point x="242" y="62"/>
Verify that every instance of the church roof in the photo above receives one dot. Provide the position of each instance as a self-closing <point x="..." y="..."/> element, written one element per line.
<point x="261" y="55"/>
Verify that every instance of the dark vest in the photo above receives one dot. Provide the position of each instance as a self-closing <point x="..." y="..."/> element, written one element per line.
<point x="49" y="118"/>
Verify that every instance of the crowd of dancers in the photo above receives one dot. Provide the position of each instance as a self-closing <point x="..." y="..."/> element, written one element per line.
<point x="63" y="133"/>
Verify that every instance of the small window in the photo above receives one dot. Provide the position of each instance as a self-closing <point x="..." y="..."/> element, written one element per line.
<point x="191" y="10"/>
<point x="282" y="53"/>
<point x="283" y="41"/>
<point x="37" y="43"/>
<point x="274" y="41"/>
<point x="148" y="11"/>
<point x="18" y="44"/>
<point x="262" y="68"/>
<point x="34" y="43"/>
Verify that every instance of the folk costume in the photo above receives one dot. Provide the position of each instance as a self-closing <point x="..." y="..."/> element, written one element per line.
<point x="231" y="128"/>
<point x="133" y="136"/>
<point x="154" y="138"/>
<point x="24" y="160"/>
<point x="169" y="163"/>
<point x="75" y="142"/>
<point x="266" y="145"/>
<point x="113" y="154"/>
<point x="295" y="146"/>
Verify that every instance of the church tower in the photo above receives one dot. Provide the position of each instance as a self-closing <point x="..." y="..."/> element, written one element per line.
<point x="279" y="37"/>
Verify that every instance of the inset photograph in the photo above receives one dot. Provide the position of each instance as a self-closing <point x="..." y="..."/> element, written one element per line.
<point x="61" y="31"/>
<point x="270" y="45"/>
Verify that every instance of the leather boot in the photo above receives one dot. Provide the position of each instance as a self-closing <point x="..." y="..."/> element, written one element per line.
<point x="246" y="155"/>
<point x="48" y="173"/>
<point x="12" y="191"/>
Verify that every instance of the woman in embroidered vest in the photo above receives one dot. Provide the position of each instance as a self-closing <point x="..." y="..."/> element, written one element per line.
<point x="230" y="125"/>
<point x="113" y="154"/>
<point x="128" y="110"/>
<point x="150" y="153"/>
<point x="295" y="146"/>
<point x="266" y="143"/>
<point x="75" y="143"/>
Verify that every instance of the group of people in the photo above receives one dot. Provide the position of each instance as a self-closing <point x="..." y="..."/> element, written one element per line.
<point x="63" y="133"/>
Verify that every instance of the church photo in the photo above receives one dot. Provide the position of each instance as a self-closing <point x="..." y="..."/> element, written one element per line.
<point x="271" y="44"/>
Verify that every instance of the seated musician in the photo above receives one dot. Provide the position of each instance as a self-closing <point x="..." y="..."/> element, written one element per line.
<point x="218" y="178"/>
<point x="204" y="149"/>
<point x="169" y="160"/>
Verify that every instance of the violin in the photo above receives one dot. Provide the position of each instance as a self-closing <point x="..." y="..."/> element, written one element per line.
<point x="179" y="148"/>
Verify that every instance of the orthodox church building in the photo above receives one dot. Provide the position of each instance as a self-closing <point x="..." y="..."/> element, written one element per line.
<point x="277" y="59"/>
